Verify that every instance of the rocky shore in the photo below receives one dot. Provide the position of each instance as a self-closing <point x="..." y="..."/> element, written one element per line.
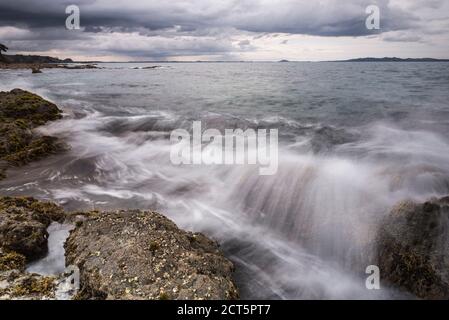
<point x="20" y="113"/>
<point x="143" y="255"/>
<point x="36" y="67"/>
<point x="120" y="255"/>
<point x="414" y="248"/>
<point x="23" y="239"/>
<point x="133" y="254"/>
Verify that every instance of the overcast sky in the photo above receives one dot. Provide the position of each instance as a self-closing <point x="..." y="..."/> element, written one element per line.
<point x="122" y="30"/>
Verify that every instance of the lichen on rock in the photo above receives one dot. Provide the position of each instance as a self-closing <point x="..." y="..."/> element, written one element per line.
<point x="143" y="255"/>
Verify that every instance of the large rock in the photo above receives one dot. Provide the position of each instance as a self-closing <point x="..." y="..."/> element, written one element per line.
<point x="413" y="245"/>
<point x="20" y="112"/>
<point x="21" y="104"/>
<point x="143" y="255"/>
<point x="23" y="225"/>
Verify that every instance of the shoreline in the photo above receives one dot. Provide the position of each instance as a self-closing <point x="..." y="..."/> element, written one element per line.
<point x="172" y="263"/>
<point x="115" y="248"/>
<point x="38" y="66"/>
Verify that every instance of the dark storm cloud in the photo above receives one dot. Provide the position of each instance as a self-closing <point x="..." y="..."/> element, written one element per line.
<point x="328" y="18"/>
<point x="194" y="27"/>
<point x="51" y="13"/>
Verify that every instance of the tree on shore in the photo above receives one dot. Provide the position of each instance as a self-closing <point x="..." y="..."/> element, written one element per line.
<point x="3" y="48"/>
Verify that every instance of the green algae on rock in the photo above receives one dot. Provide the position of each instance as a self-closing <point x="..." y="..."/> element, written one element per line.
<point x="19" y="285"/>
<point x="16" y="283"/>
<point x="20" y="112"/>
<point x="37" y="149"/>
<point x="11" y="260"/>
<point x="21" y="104"/>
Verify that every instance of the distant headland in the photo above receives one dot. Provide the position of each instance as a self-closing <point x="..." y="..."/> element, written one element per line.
<point x="20" y="58"/>
<point x="393" y="59"/>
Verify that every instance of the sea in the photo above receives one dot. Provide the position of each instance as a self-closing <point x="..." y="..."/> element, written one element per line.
<point x="355" y="139"/>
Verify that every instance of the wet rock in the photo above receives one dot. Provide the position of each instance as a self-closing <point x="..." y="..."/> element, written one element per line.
<point x="14" y="136"/>
<point x="37" y="149"/>
<point x="326" y="138"/>
<point x="11" y="260"/>
<point x="27" y="106"/>
<point x="23" y="238"/>
<point x="18" y="285"/>
<point x="413" y="248"/>
<point x="147" y="67"/>
<point x="20" y="112"/>
<point x="143" y="255"/>
<point x="36" y="64"/>
<point x="79" y="67"/>
<point x="23" y="225"/>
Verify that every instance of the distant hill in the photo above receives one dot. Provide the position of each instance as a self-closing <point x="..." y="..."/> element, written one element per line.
<point x="393" y="59"/>
<point x="19" y="58"/>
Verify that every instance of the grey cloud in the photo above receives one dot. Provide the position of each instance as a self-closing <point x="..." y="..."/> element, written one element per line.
<point x="402" y="37"/>
<point x="324" y="18"/>
<point x="244" y="43"/>
<point x="198" y="27"/>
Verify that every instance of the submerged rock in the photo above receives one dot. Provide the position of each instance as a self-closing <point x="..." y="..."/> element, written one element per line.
<point x="143" y="255"/>
<point x="78" y="67"/>
<point x="20" y="112"/>
<point x="326" y="138"/>
<point x="413" y="244"/>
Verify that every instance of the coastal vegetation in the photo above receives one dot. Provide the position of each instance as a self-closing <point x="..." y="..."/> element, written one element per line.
<point x="3" y="48"/>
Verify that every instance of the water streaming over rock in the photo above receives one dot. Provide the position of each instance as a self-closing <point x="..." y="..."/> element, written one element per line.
<point x="347" y="155"/>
